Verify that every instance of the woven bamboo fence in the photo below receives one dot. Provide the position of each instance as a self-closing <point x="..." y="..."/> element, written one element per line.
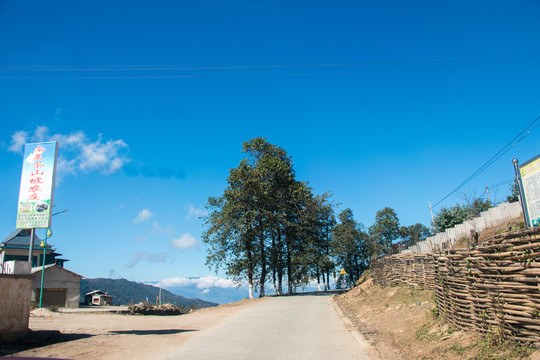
<point x="494" y="287"/>
<point x="410" y="270"/>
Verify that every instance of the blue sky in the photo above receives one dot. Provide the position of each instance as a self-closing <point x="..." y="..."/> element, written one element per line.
<point x="385" y="103"/>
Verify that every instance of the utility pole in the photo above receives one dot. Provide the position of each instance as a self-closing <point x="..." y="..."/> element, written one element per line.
<point x="487" y="190"/>
<point x="431" y="209"/>
<point x="521" y="192"/>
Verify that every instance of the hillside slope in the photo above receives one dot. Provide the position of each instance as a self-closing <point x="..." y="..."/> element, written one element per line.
<point x="403" y="324"/>
<point x="126" y="292"/>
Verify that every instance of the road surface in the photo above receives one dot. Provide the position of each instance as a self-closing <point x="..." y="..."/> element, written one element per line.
<point x="287" y="327"/>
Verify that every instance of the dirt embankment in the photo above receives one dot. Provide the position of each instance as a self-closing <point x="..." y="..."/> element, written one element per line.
<point x="404" y="324"/>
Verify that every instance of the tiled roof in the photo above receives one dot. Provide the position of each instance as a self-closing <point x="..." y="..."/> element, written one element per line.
<point x="21" y="238"/>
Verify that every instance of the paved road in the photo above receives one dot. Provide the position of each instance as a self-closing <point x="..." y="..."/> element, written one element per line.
<point x="289" y="327"/>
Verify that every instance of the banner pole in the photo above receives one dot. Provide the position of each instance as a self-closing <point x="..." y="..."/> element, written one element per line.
<point x="43" y="267"/>
<point x="31" y="250"/>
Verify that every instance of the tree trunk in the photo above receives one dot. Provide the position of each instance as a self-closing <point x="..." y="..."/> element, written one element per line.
<point x="249" y="256"/>
<point x="289" y="271"/>
<point x="323" y="280"/>
<point x="274" y="262"/>
<point x="250" y="276"/>
<point x="279" y="263"/>
<point x="250" y="287"/>
<point x="328" y="280"/>
<point x="263" y="263"/>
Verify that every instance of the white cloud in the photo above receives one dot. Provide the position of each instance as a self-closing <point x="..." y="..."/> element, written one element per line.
<point x="158" y="229"/>
<point x="76" y="152"/>
<point x="146" y="214"/>
<point x="201" y="283"/>
<point x="143" y="215"/>
<point x="192" y="210"/>
<point x="40" y="133"/>
<point x="205" y="291"/>
<point x="18" y="139"/>
<point x="98" y="156"/>
<point x="136" y="257"/>
<point x="184" y="242"/>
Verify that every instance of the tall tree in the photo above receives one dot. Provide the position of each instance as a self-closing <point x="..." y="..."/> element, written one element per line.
<point x="318" y="220"/>
<point x="350" y="246"/>
<point x="231" y="228"/>
<point x="268" y="225"/>
<point x="323" y="244"/>
<point x="247" y="227"/>
<point x="385" y="230"/>
<point x="411" y="234"/>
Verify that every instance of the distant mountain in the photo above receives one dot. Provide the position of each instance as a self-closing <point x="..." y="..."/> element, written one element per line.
<point x="214" y="294"/>
<point x="126" y="292"/>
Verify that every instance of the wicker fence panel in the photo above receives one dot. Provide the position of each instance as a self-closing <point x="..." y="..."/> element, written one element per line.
<point x="410" y="270"/>
<point x="494" y="287"/>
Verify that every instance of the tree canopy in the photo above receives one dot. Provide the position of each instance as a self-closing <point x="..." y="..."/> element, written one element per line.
<point x="385" y="230"/>
<point x="267" y="224"/>
<point x="351" y="246"/>
<point x="269" y="227"/>
<point x="449" y="217"/>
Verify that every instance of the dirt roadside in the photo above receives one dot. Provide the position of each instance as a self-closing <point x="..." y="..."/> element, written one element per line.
<point x="402" y="323"/>
<point x="115" y="336"/>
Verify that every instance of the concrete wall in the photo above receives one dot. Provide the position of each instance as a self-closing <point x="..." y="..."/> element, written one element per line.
<point x="493" y="217"/>
<point x="15" y="292"/>
<point x="16" y="267"/>
<point x="58" y="278"/>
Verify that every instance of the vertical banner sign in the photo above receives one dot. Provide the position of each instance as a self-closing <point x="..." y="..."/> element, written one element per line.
<point x="530" y="178"/>
<point x="37" y="185"/>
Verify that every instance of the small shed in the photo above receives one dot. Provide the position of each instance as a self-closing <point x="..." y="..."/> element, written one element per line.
<point x="60" y="288"/>
<point x="98" y="297"/>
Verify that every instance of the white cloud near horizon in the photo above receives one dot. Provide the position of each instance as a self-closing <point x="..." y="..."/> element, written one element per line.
<point x="144" y="215"/>
<point x="193" y="211"/>
<point x="78" y="153"/>
<point x="201" y="283"/>
<point x="184" y="242"/>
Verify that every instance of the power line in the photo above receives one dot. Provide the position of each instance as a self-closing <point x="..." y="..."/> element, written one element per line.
<point x="179" y="71"/>
<point x="506" y="182"/>
<point x="161" y="67"/>
<point x="495" y="157"/>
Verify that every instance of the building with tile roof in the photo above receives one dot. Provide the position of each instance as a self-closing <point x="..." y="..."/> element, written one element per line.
<point x="17" y="245"/>
<point x="60" y="286"/>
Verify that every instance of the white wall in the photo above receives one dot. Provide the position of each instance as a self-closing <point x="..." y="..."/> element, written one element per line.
<point x="493" y="217"/>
